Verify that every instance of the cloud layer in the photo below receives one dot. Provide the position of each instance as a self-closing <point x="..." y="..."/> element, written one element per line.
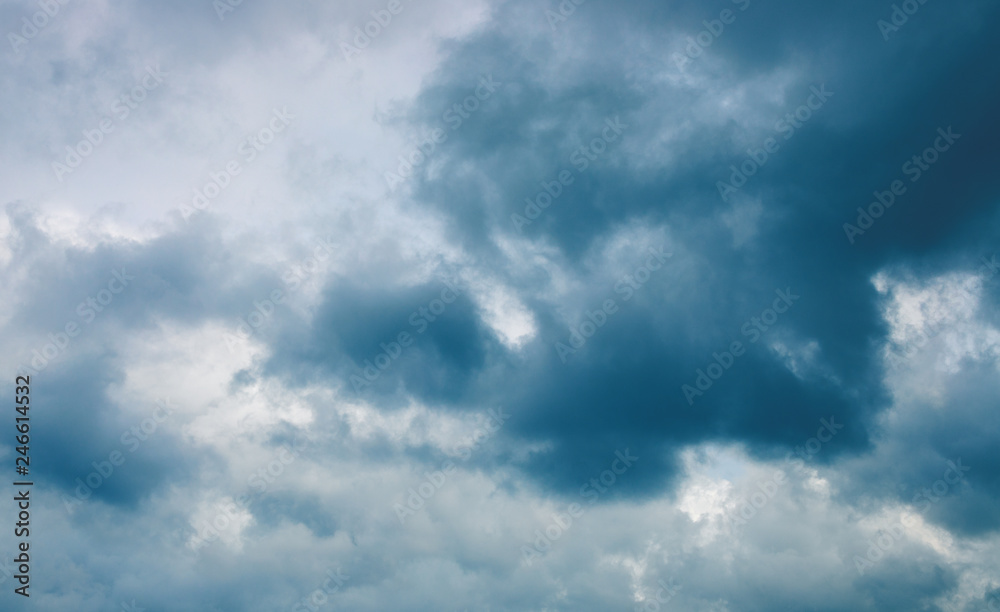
<point x="506" y="306"/>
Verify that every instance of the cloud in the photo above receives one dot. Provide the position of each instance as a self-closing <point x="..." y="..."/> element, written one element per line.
<point x="328" y="340"/>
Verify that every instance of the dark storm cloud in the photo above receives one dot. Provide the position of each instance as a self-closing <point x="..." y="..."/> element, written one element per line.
<point x="888" y="101"/>
<point x="632" y="380"/>
<point x="92" y="450"/>
<point x="429" y="338"/>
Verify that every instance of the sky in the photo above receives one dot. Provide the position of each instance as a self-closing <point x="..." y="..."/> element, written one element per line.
<point x="502" y="305"/>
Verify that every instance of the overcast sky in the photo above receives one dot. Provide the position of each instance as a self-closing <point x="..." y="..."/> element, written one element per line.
<point x="503" y="305"/>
